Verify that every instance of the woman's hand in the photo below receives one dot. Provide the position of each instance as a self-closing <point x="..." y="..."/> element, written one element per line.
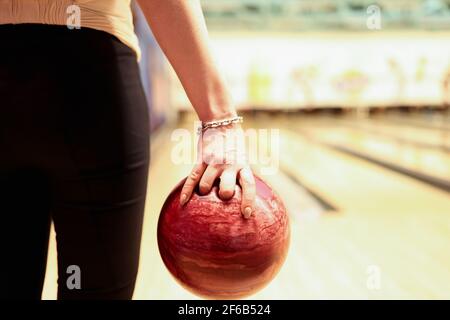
<point x="221" y="154"/>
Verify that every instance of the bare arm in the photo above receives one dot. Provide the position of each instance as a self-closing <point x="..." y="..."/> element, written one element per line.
<point x="180" y="29"/>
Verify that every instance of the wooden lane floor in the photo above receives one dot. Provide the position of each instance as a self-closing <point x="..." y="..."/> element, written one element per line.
<point x="405" y="132"/>
<point x="438" y="120"/>
<point x="386" y="227"/>
<point x="426" y="160"/>
<point x="429" y="161"/>
<point x="389" y="214"/>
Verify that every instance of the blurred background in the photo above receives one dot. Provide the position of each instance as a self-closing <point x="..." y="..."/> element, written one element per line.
<point x="358" y="94"/>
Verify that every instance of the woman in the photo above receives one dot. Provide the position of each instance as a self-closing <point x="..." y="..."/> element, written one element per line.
<point x="74" y="138"/>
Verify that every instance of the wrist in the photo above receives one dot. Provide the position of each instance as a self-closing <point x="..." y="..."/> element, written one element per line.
<point x="214" y="114"/>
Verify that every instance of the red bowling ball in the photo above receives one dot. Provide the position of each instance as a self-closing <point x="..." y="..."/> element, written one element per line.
<point x="214" y="252"/>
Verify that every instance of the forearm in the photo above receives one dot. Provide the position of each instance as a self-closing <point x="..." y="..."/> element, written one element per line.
<point x="179" y="28"/>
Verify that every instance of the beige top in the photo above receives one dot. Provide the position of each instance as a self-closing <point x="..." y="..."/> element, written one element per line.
<point x="112" y="16"/>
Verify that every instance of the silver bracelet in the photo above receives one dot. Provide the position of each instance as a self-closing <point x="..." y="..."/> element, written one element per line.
<point x="219" y="123"/>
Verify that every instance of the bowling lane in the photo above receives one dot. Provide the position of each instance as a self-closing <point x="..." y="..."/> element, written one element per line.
<point x="428" y="161"/>
<point x="378" y="224"/>
<point x="305" y="155"/>
<point x="424" y="119"/>
<point x="404" y="133"/>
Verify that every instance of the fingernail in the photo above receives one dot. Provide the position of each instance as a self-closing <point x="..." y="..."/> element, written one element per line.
<point x="183" y="199"/>
<point x="247" y="212"/>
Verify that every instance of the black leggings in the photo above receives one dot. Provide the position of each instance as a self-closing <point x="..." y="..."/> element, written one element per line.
<point x="74" y="149"/>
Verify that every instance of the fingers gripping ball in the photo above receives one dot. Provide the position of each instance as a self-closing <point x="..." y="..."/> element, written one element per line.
<point x="213" y="251"/>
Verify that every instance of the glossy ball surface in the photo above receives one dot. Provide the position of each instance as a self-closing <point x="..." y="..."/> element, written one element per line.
<point x="214" y="252"/>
